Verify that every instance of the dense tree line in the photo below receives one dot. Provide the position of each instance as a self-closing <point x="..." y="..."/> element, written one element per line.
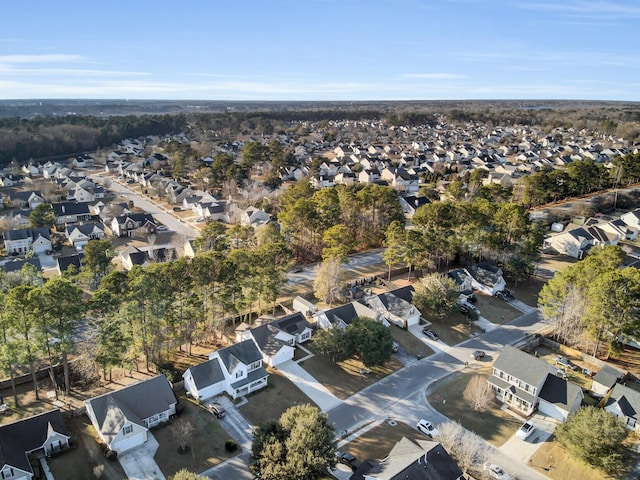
<point x="139" y="316"/>
<point x="307" y="214"/>
<point x="44" y="137"/>
<point x="579" y="178"/>
<point x="595" y="298"/>
<point x="448" y="231"/>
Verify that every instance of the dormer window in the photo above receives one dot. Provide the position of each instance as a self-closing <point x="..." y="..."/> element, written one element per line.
<point x="255" y="365"/>
<point x="127" y="429"/>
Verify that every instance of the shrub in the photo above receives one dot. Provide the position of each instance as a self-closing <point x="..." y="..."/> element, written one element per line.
<point x="230" y="445"/>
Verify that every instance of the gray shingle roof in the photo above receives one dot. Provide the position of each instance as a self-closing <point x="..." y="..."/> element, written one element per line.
<point x="627" y="399"/>
<point x="521" y="365"/>
<point x="607" y="376"/>
<point x="207" y="373"/>
<point x="245" y="352"/>
<point x="560" y="393"/>
<point x="293" y="324"/>
<point x="134" y="403"/>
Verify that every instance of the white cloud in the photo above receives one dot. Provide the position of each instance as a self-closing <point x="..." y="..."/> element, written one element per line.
<point x="42" y="58"/>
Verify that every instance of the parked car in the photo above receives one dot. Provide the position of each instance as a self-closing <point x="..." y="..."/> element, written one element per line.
<point x="427" y="428"/>
<point x="501" y="296"/>
<point x="348" y="460"/>
<point x="565" y="362"/>
<point x="395" y="347"/>
<point x="496" y="472"/>
<point x="508" y="294"/>
<point x="471" y="298"/>
<point x="217" y="410"/>
<point x="177" y="209"/>
<point x="469" y="308"/>
<point x="525" y="430"/>
<point x="477" y="354"/>
<point x="430" y="333"/>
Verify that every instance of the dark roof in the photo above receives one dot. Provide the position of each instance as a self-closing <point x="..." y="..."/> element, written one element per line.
<point x="140" y="218"/>
<point x="424" y="460"/>
<point x="66" y="262"/>
<point x="207" y="373"/>
<point x="18" y="438"/>
<point x="560" y="393"/>
<point x="405" y="293"/>
<point x="483" y="276"/>
<point x="627" y="399"/>
<point x="71" y="208"/>
<point x="24" y="233"/>
<point x="292" y="324"/>
<point x="16" y="265"/>
<point x="347" y="313"/>
<point x="608" y="376"/>
<point x="134" y="403"/>
<point x="245" y="352"/>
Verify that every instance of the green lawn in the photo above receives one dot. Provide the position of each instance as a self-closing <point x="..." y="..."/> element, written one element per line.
<point x="343" y="379"/>
<point x="493" y="425"/>
<point x="271" y="402"/>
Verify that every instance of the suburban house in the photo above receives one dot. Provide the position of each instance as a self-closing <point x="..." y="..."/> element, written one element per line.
<point x="254" y="217"/>
<point x="42" y="434"/>
<point x="486" y="278"/>
<point x="345" y="314"/>
<point x="31" y="199"/>
<point x="277" y="340"/>
<point x="395" y="306"/>
<point x="483" y="277"/>
<point x="526" y="383"/>
<point x="123" y="418"/>
<point x="79" y="235"/>
<point x="125" y="225"/>
<point x="143" y="256"/>
<point x="605" y="379"/>
<point x="624" y="402"/>
<point x="71" y="212"/>
<point x="410" y="203"/>
<point x="236" y="370"/>
<point x="16" y="264"/>
<point x="421" y="460"/>
<point x="68" y="261"/>
<point x="24" y="240"/>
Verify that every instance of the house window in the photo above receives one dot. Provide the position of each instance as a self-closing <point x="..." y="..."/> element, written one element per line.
<point x="239" y="373"/>
<point x="7" y="473"/>
<point x="255" y="365"/>
<point x="127" y="429"/>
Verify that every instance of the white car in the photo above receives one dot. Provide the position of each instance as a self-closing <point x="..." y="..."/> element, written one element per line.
<point x="427" y="428"/>
<point x="496" y="472"/>
<point x="525" y="430"/>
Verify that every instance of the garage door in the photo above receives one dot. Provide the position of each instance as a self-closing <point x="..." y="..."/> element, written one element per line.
<point x="551" y="410"/>
<point x="131" y="441"/>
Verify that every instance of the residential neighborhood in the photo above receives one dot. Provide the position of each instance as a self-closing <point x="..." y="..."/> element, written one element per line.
<point x="202" y="312"/>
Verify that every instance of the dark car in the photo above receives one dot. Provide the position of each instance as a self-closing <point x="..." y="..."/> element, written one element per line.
<point x="348" y="459"/>
<point x="217" y="410"/>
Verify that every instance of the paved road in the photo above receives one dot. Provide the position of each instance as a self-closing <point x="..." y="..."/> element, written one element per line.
<point x="359" y="260"/>
<point x="162" y="215"/>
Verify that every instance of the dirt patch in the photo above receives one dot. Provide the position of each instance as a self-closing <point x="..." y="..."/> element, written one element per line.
<point x="85" y="459"/>
<point x="343" y="379"/>
<point x="493" y="425"/>
<point x="271" y="402"/>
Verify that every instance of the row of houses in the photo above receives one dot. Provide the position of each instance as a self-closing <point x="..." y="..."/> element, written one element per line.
<point x="576" y="240"/>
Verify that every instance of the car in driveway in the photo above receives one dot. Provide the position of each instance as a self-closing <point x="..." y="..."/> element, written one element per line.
<point x="217" y="410"/>
<point x="427" y="428"/>
<point x="477" y="354"/>
<point x="495" y="471"/>
<point x="349" y="460"/>
<point x="525" y="430"/>
<point x="565" y="362"/>
<point x="430" y="333"/>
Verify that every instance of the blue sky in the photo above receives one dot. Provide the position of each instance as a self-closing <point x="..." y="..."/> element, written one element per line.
<point x="321" y="49"/>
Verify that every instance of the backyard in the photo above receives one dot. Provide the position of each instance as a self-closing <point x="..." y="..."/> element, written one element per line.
<point x="452" y="329"/>
<point x="269" y="403"/>
<point x="413" y="345"/>
<point x="494" y="425"/>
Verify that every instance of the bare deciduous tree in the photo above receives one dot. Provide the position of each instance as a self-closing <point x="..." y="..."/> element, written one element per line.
<point x="479" y="395"/>
<point x="466" y="447"/>
<point x="182" y="431"/>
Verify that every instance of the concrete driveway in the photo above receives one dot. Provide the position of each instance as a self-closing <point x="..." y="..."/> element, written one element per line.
<point x="522" y="450"/>
<point x="309" y="385"/>
<point x="139" y="464"/>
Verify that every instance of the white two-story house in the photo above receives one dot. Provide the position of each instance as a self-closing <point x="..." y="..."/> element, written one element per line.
<point x="236" y="370"/>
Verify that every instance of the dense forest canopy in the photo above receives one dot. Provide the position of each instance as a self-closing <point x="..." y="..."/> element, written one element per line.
<point x="31" y="131"/>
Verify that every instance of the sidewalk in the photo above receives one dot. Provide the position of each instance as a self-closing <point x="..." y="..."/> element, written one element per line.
<point x="309" y="385"/>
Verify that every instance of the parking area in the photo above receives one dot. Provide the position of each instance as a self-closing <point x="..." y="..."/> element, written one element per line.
<point x="523" y="449"/>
